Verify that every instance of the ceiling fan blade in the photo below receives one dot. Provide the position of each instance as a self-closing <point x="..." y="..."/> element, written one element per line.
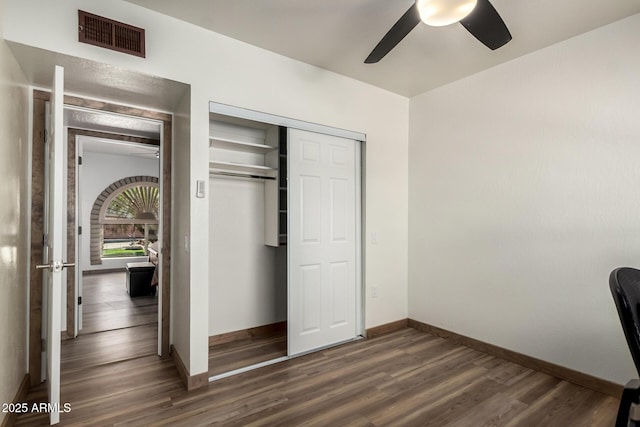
<point x="400" y="29"/>
<point x="487" y="26"/>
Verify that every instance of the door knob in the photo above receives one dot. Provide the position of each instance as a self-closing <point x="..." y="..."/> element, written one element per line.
<point x="55" y="266"/>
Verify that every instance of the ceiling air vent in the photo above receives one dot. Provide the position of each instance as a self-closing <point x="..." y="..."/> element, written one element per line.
<point x="110" y="34"/>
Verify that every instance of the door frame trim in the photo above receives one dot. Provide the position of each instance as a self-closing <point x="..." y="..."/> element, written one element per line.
<point x="258" y="116"/>
<point x="73" y="136"/>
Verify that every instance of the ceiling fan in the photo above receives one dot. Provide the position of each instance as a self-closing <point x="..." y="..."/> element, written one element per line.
<point x="479" y="17"/>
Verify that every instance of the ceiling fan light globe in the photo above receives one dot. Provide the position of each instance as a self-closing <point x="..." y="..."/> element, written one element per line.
<point x="438" y="13"/>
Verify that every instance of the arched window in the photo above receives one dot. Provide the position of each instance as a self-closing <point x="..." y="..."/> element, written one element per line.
<point x="130" y="220"/>
<point x="124" y="219"/>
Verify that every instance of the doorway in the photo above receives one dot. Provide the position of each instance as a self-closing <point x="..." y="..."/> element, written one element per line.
<point x="165" y="150"/>
<point x="118" y="198"/>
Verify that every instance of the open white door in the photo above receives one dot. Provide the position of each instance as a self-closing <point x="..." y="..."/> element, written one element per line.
<point x="55" y="213"/>
<point x="322" y="240"/>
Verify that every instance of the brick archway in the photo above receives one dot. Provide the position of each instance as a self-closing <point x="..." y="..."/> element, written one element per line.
<point x="95" y="249"/>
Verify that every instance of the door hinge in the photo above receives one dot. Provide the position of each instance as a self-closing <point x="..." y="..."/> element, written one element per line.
<point x="79" y="300"/>
<point x="43" y="344"/>
<point x="45" y="137"/>
<point x="45" y="240"/>
<point x="79" y="229"/>
<point x="79" y="160"/>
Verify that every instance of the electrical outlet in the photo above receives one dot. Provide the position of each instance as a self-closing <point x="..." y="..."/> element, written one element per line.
<point x="374" y="292"/>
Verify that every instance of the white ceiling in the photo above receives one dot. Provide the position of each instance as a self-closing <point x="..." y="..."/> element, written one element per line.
<point x="119" y="148"/>
<point x="115" y="124"/>
<point x="338" y="35"/>
<point x="112" y="123"/>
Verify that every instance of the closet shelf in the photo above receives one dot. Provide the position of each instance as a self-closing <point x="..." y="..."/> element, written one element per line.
<point x="241" y="167"/>
<point x="249" y="147"/>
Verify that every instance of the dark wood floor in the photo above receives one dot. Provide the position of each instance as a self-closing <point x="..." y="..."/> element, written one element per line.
<point x="108" y="347"/>
<point x="106" y="305"/>
<point x="116" y="327"/>
<point x="250" y="351"/>
<point x="404" y="378"/>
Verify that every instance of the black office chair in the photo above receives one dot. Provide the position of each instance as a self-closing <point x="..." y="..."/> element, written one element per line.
<point x="625" y="288"/>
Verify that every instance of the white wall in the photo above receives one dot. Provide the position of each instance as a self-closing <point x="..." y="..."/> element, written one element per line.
<point x="14" y="243"/>
<point x="224" y="70"/>
<point x="524" y="195"/>
<point x="180" y="227"/>
<point x="244" y="291"/>
<point x="99" y="171"/>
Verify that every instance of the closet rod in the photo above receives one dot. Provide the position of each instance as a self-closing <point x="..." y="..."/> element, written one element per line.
<point x="240" y="175"/>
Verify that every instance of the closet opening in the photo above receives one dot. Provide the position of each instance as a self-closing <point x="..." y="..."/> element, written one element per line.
<point x="248" y="269"/>
<point x="285" y="206"/>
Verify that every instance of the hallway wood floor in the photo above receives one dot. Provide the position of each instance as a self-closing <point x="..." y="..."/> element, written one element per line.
<point x="106" y="305"/>
<point x="116" y="327"/>
<point x="404" y="378"/>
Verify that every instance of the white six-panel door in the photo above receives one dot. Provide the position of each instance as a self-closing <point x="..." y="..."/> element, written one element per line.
<point x="322" y="277"/>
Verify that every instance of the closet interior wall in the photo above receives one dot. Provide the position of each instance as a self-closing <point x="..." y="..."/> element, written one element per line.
<point x="248" y="260"/>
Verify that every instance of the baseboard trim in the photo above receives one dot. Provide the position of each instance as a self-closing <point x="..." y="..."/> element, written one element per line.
<point x="191" y="382"/>
<point x="106" y="270"/>
<point x="387" y="328"/>
<point x="579" y="378"/>
<point x="21" y="396"/>
<point x="258" y="331"/>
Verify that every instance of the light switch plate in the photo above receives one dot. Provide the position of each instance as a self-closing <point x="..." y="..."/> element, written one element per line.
<point x="200" y="189"/>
